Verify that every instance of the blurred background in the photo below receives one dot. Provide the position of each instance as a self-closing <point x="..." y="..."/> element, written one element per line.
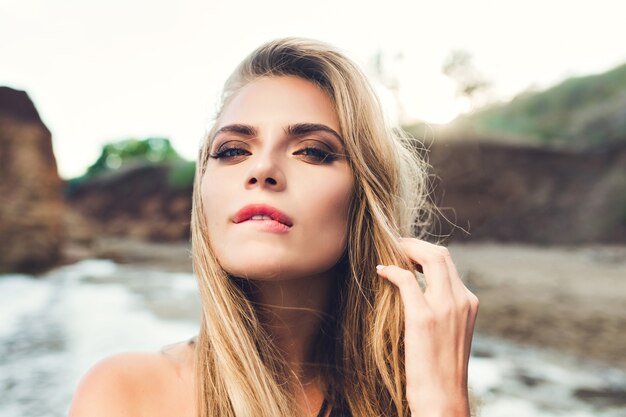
<point x="521" y="106"/>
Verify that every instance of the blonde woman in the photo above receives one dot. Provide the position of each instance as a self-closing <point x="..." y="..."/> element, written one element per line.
<point x="311" y="304"/>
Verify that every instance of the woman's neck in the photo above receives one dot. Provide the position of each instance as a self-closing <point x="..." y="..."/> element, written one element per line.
<point x="292" y="312"/>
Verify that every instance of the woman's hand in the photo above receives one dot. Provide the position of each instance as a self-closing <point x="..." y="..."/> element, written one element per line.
<point x="439" y="324"/>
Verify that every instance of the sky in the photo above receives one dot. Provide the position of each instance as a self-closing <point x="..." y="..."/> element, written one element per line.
<point x="101" y="72"/>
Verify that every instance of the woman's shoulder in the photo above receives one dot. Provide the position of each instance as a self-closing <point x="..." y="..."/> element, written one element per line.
<point x="128" y="383"/>
<point x="111" y="386"/>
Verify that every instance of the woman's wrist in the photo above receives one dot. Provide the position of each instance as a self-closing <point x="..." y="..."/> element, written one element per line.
<point x="441" y="404"/>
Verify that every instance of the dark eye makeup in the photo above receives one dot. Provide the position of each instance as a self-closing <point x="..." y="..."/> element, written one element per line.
<point x="321" y="155"/>
<point x="231" y="152"/>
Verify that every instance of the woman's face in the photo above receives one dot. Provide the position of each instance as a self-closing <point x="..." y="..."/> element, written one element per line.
<point x="275" y="147"/>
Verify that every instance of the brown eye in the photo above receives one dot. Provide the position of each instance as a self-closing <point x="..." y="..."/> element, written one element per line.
<point x="316" y="155"/>
<point x="229" y="153"/>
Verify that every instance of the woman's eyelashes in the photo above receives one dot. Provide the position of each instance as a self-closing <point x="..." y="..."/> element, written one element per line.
<point x="229" y="153"/>
<point x="232" y="153"/>
<point x="317" y="154"/>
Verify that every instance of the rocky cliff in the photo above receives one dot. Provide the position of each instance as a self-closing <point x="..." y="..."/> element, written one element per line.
<point x="31" y="203"/>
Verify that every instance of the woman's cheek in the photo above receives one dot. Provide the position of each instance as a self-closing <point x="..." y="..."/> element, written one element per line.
<point x="334" y="223"/>
<point x="214" y="202"/>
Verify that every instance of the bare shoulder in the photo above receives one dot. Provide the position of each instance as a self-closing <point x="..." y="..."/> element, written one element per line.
<point x="111" y="386"/>
<point x="126" y="384"/>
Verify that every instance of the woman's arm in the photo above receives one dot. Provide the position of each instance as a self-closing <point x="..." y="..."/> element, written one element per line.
<point x="439" y="324"/>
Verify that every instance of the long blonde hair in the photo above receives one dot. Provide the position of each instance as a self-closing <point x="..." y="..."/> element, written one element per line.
<point x="239" y="371"/>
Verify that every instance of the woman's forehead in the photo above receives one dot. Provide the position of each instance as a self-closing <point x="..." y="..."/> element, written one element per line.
<point x="281" y="100"/>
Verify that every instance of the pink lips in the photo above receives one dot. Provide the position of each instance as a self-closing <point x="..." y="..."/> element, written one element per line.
<point x="264" y="210"/>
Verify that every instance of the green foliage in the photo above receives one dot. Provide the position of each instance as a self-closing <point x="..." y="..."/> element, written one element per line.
<point x="118" y="154"/>
<point x="579" y="112"/>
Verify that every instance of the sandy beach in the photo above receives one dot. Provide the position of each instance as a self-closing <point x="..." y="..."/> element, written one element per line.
<point x="569" y="299"/>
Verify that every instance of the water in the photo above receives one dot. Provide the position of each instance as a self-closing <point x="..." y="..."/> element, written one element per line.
<point x="54" y="328"/>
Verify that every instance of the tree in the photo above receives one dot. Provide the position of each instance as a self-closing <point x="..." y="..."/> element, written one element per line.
<point x="116" y="154"/>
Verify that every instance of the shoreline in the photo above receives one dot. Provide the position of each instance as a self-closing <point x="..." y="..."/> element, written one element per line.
<point x="562" y="299"/>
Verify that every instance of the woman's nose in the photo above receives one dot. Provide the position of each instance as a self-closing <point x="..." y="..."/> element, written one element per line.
<point x="266" y="173"/>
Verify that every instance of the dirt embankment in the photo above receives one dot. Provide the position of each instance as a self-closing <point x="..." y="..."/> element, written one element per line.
<point x="527" y="194"/>
<point x="509" y="193"/>
<point x="136" y="202"/>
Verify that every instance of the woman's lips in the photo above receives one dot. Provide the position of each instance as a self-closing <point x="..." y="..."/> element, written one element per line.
<point x="267" y="225"/>
<point x="251" y="210"/>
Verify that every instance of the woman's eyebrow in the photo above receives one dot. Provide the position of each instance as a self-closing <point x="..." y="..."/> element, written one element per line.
<point x="297" y="129"/>
<point x="241" y="129"/>
<point x="300" y="129"/>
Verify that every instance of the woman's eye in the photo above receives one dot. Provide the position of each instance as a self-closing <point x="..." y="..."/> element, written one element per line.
<point x="313" y="154"/>
<point x="229" y="153"/>
<point x="317" y="155"/>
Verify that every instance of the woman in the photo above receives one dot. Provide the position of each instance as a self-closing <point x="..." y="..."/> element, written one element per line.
<point x="311" y="306"/>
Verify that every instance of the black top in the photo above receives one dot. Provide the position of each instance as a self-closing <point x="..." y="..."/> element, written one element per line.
<point x="335" y="412"/>
<point x="323" y="409"/>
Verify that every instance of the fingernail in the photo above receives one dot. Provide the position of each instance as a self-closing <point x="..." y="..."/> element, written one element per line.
<point x="379" y="267"/>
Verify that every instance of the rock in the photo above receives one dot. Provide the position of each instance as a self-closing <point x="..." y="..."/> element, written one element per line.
<point x="31" y="212"/>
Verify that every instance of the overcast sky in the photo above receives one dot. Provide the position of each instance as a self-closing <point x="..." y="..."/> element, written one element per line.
<point x="101" y="71"/>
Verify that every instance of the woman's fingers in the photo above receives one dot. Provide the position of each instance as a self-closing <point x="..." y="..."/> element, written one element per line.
<point x="434" y="261"/>
<point x="410" y="291"/>
<point x="445" y="290"/>
<point x="459" y="289"/>
<point x="471" y="319"/>
<point x="422" y="252"/>
<point x="439" y="324"/>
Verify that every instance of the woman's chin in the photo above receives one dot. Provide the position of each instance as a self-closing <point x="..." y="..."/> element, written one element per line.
<point x="271" y="272"/>
<point x="275" y="262"/>
<point x="258" y="267"/>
